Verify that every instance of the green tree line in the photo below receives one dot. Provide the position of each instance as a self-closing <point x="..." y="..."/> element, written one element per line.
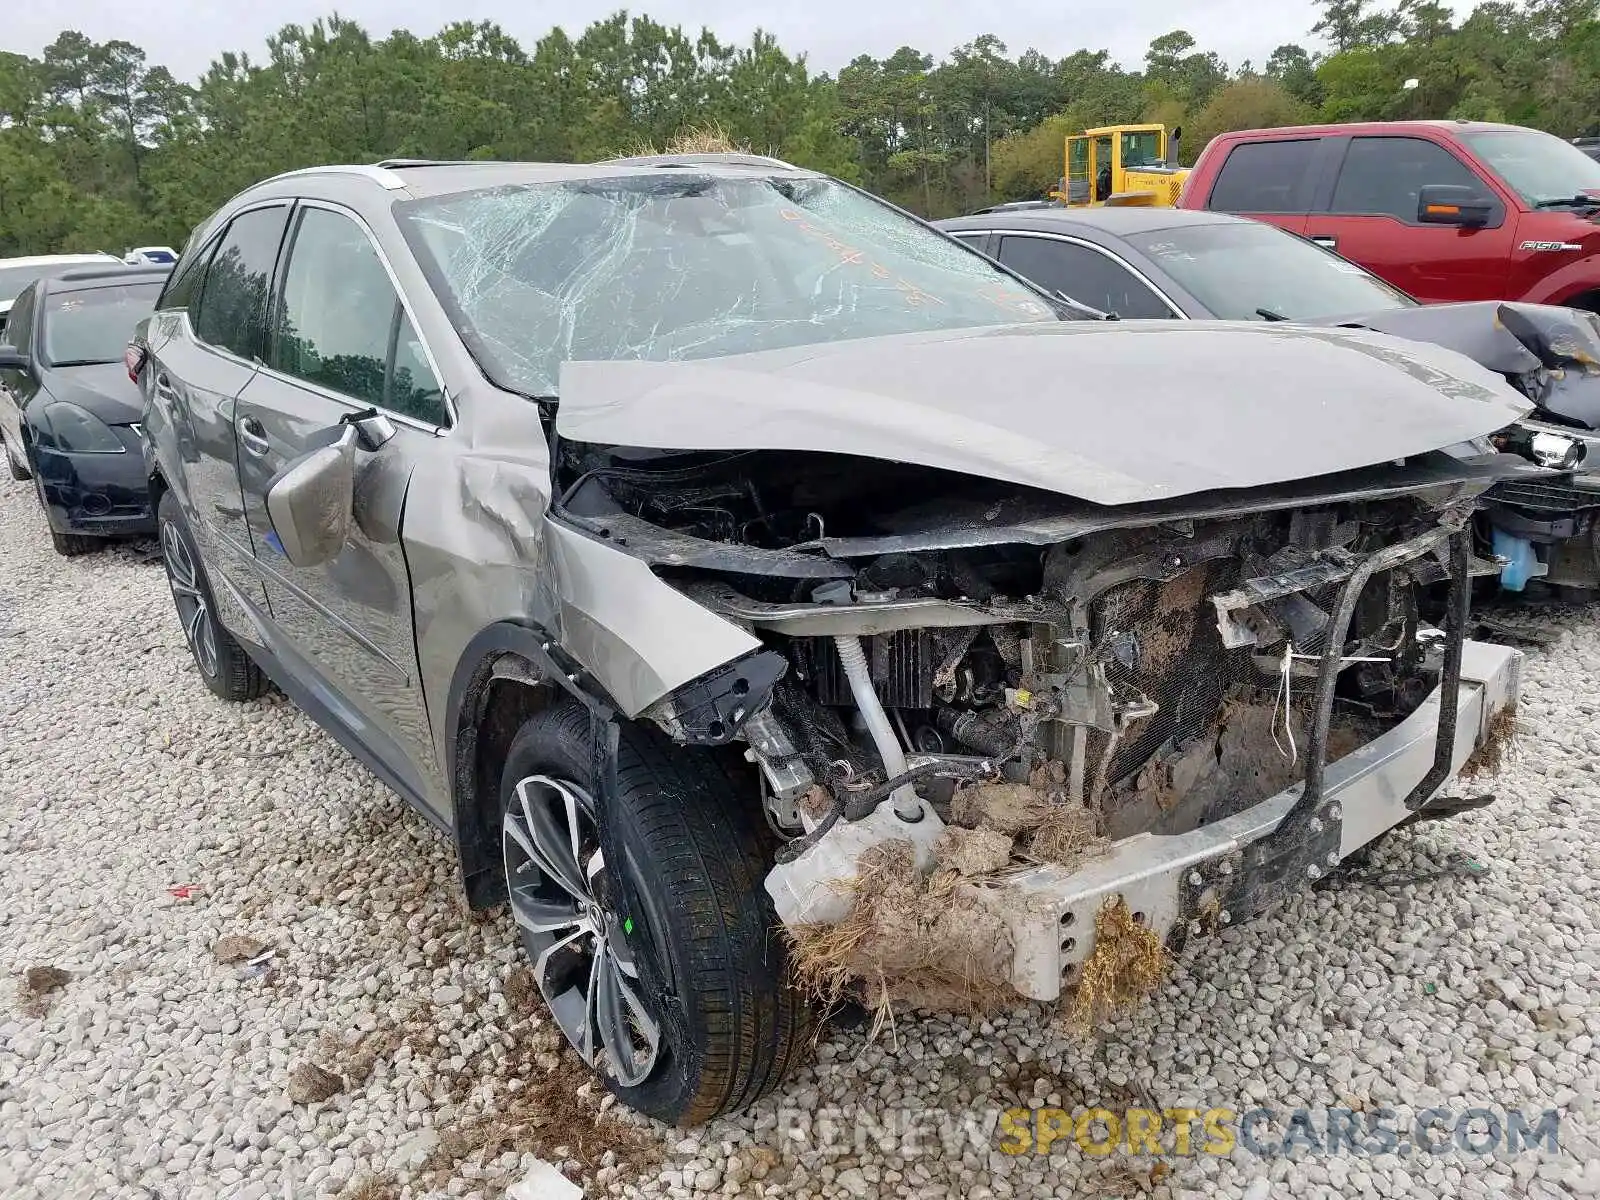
<point x="100" y="149"/>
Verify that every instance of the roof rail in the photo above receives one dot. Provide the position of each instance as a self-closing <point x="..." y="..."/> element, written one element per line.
<point x="1014" y="206"/>
<point x="390" y="163"/>
<point x="378" y="174"/>
<point x="720" y="158"/>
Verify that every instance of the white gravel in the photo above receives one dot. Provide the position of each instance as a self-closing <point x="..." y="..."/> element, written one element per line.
<point x="158" y="1070"/>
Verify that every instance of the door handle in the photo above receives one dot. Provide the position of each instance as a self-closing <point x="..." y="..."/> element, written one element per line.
<point x="253" y="436"/>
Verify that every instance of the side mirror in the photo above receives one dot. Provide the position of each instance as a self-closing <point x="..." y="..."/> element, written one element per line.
<point x="12" y="359"/>
<point x="312" y="502"/>
<point x="1453" y="204"/>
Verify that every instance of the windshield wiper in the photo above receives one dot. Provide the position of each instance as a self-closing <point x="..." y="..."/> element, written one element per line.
<point x="1267" y="314"/>
<point x="1094" y="314"/>
<point x="1578" y="201"/>
<point x="83" y="362"/>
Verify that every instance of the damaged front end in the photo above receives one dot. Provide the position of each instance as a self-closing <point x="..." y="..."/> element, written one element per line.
<point x="1546" y="529"/>
<point x="986" y="720"/>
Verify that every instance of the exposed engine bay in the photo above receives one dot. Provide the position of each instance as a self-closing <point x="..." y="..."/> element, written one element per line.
<point x="1105" y="654"/>
<point x="994" y="705"/>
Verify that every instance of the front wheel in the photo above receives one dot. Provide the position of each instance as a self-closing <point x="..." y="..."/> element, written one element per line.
<point x="19" y="470"/>
<point x="727" y="1023"/>
<point x="225" y="666"/>
<point x="70" y="545"/>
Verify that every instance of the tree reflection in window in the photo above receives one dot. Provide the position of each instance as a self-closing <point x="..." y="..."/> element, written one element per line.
<point x="341" y="325"/>
<point x="235" y="290"/>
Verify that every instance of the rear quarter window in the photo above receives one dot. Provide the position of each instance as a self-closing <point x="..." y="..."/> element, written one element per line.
<point x="183" y="285"/>
<point x="1264" y="177"/>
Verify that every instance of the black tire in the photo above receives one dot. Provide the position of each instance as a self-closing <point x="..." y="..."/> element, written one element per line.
<point x="695" y="848"/>
<point x="70" y="545"/>
<point x="226" y="667"/>
<point x="18" y="470"/>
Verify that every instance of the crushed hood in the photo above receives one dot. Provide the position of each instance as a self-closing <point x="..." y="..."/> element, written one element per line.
<point x="1113" y="413"/>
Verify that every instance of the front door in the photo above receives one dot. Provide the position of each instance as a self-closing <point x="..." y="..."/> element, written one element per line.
<point x="17" y="387"/>
<point x="341" y="342"/>
<point x="1371" y="219"/>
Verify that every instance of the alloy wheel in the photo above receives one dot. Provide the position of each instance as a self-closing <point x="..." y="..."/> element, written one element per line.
<point x="193" y="612"/>
<point x="563" y="899"/>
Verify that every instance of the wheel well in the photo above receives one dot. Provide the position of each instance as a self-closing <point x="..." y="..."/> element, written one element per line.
<point x="494" y="708"/>
<point x="1590" y="300"/>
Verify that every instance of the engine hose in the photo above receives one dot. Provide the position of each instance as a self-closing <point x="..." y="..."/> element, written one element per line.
<point x="985" y="734"/>
<point x="907" y="804"/>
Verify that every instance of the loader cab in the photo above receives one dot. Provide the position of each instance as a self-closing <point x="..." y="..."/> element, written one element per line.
<point x="1098" y="161"/>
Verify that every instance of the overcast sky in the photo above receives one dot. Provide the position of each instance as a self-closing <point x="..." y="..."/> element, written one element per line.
<point x="187" y="34"/>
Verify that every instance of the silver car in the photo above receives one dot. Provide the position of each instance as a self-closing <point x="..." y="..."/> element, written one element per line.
<point x="672" y="532"/>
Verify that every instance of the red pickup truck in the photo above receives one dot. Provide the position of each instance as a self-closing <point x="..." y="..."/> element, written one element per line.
<point x="1444" y="210"/>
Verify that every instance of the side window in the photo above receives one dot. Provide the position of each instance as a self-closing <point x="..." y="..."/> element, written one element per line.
<point x="1088" y="276"/>
<point x="1383" y="176"/>
<point x="183" y="285"/>
<point x="233" y="298"/>
<point x="341" y="325"/>
<point x="1264" y="177"/>
<point x="978" y="241"/>
<point x="19" y="323"/>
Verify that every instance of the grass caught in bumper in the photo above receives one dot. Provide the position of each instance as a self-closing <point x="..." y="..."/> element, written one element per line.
<point x="1189" y="884"/>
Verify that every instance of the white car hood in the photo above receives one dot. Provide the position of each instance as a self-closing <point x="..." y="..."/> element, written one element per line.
<point x="1109" y="412"/>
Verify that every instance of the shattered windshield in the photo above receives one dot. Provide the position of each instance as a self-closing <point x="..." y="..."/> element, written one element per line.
<point x="676" y="265"/>
<point x="1242" y="270"/>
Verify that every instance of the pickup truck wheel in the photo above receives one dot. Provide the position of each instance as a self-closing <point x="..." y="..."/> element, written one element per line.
<point x="730" y="1023"/>
<point x="224" y="664"/>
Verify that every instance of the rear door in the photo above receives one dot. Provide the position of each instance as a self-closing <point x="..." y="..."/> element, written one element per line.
<point x="1272" y="180"/>
<point x="1088" y="273"/>
<point x="983" y="243"/>
<point x="1369" y="215"/>
<point x="204" y="346"/>
<point x="342" y="342"/>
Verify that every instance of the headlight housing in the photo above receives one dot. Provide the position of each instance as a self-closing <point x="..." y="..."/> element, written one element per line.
<point x="74" y="430"/>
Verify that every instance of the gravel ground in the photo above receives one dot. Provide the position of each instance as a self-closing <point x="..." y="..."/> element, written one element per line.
<point x="155" y="841"/>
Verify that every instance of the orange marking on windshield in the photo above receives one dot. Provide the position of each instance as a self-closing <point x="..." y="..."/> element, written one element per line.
<point x="995" y="293"/>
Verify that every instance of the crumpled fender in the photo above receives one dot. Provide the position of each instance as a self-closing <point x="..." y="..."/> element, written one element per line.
<point x="1550" y="352"/>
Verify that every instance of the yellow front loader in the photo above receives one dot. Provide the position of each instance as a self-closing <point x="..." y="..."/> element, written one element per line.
<point x="1122" y="164"/>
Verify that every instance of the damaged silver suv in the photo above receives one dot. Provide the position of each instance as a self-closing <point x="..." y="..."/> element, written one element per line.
<point x="702" y="542"/>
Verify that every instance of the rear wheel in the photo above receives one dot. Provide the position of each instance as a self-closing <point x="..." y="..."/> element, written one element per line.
<point x="727" y="1024"/>
<point x="225" y="666"/>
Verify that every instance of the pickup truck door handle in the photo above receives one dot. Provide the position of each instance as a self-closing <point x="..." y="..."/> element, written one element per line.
<point x="253" y="436"/>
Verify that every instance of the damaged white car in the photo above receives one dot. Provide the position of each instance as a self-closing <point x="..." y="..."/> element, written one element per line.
<point x="750" y="578"/>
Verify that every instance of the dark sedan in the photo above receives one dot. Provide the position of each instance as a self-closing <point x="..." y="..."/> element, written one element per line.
<point x="69" y="412"/>
<point x="1167" y="262"/>
<point x="1138" y="262"/>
